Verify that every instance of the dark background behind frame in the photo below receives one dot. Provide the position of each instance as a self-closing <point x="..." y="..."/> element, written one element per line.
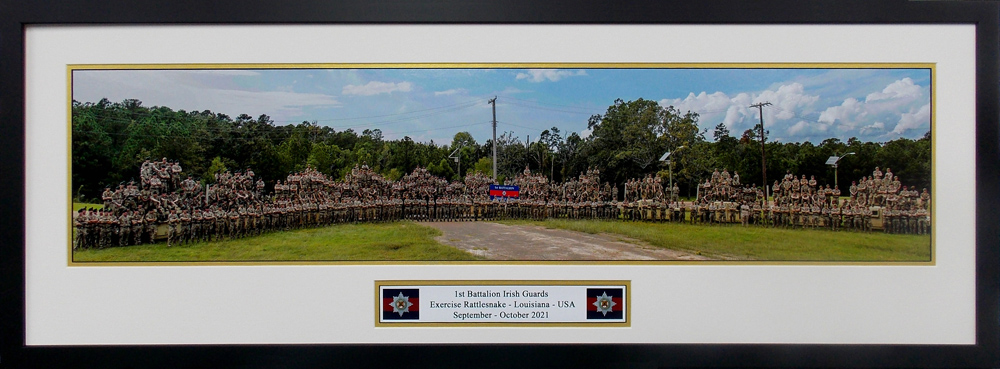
<point x="15" y="15"/>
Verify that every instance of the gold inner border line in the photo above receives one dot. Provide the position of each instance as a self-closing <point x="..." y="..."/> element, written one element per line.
<point x="750" y="65"/>
<point x="486" y="283"/>
<point x="70" y="68"/>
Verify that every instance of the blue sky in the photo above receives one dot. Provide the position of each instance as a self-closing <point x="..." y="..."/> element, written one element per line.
<point x="434" y="104"/>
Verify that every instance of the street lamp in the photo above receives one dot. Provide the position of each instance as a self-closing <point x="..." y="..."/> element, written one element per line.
<point x="457" y="155"/>
<point x="834" y="161"/>
<point x="670" y="165"/>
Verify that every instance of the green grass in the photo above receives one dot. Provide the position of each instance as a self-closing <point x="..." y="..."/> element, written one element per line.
<point x="397" y="241"/>
<point x="81" y="205"/>
<point x="758" y="243"/>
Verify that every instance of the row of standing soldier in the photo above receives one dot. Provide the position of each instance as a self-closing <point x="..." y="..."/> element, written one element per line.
<point x="236" y="204"/>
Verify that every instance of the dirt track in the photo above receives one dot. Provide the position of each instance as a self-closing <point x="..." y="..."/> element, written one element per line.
<point x="496" y="241"/>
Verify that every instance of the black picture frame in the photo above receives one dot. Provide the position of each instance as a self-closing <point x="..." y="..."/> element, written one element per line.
<point x="16" y="15"/>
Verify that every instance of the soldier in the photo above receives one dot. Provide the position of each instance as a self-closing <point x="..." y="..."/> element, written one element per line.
<point x="136" y="226"/>
<point x="145" y="173"/>
<point x="175" y="174"/>
<point x="835" y="213"/>
<point x="91" y="229"/>
<point x="242" y="221"/>
<point x="859" y="221"/>
<point x="232" y="223"/>
<point x="923" y="221"/>
<point x="221" y="223"/>
<point x="755" y="214"/>
<point x="106" y="197"/>
<point x="794" y="215"/>
<point x="207" y="225"/>
<point x="197" y="225"/>
<point x="184" y="226"/>
<point x="124" y="228"/>
<point x="172" y="221"/>
<point x="816" y="214"/>
<point x="866" y="218"/>
<point x="81" y="232"/>
<point x="789" y="212"/>
<point x="150" y="225"/>
<point x="255" y="219"/>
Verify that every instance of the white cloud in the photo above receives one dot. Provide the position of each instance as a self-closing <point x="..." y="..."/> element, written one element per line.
<point x="553" y="75"/>
<point x="874" y="127"/>
<point x="586" y="132"/>
<point x="849" y="113"/>
<point x="703" y="101"/>
<point x="376" y="87"/>
<point x="734" y="111"/>
<point x="196" y="91"/>
<point x="453" y="91"/>
<point x="787" y="99"/>
<point x="797" y="114"/>
<point x="911" y="120"/>
<point x="798" y="128"/>
<point x="868" y="116"/>
<point x="903" y="88"/>
<point x="514" y="90"/>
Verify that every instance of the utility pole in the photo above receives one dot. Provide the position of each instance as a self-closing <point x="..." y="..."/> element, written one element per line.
<point x="494" y="102"/>
<point x="552" y="168"/>
<point x="763" y="162"/>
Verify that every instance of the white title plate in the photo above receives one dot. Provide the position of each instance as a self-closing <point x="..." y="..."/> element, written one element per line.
<point x="472" y="303"/>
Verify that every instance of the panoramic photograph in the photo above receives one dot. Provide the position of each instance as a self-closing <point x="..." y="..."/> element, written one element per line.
<point x="545" y="163"/>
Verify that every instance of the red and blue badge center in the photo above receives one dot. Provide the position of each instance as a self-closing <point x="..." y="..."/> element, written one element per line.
<point x="505" y="191"/>
<point x="605" y="303"/>
<point x="400" y="304"/>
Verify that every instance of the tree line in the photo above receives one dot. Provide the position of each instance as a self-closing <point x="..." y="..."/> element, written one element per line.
<point x="111" y="140"/>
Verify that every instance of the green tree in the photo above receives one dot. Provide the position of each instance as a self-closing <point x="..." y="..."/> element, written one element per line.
<point x="483" y="166"/>
<point x="218" y="166"/>
<point x="328" y="159"/>
<point x="441" y="169"/>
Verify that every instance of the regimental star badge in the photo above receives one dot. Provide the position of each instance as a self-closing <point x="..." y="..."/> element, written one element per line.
<point x="604" y="303"/>
<point x="401" y="304"/>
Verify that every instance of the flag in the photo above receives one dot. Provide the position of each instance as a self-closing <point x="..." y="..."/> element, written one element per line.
<point x="605" y="303"/>
<point x="400" y="304"/>
<point x="505" y="191"/>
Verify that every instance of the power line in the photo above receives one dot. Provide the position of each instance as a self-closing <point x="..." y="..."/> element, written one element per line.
<point x="551" y="109"/>
<point x="153" y="110"/>
<point x="462" y="104"/>
<point x="552" y="104"/>
<point x="127" y="119"/>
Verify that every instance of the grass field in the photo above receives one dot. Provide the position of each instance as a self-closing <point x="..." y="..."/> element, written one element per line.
<point x="398" y="241"/>
<point x="757" y="243"/>
<point x="81" y="205"/>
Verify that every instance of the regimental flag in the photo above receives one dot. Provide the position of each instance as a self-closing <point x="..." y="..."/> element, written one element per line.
<point x="504" y="191"/>
<point x="605" y="303"/>
<point x="400" y="304"/>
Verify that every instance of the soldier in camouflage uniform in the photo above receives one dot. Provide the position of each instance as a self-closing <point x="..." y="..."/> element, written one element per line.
<point x="172" y="221"/>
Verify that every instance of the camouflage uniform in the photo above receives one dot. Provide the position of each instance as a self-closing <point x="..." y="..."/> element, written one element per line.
<point x="172" y="221"/>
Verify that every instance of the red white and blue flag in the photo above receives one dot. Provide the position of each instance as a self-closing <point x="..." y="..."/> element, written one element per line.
<point x="504" y="191"/>
<point x="400" y="304"/>
<point x="605" y="303"/>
